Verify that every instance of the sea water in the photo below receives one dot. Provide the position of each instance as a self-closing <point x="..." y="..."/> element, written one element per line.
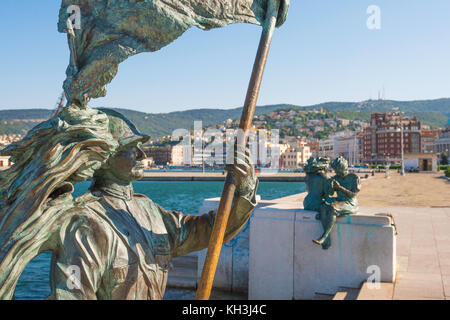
<point x="186" y="197"/>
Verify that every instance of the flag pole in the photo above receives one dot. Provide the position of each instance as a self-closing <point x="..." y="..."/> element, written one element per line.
<point x="226" y="200"/>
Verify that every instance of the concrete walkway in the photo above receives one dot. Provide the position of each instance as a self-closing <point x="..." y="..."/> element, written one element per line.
<point x="423" y="252"/>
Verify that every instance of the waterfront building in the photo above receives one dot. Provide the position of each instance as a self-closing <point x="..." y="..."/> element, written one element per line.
<point x="348" y="145"/>
<point x="383" y="139"/>
<point x="326" y="147"/>
<point x="296" y="157"/>
<point x="166" y="155"/>
<point x="5" y="163"/>
<point x="274" y="154"/>
<point x="428" y="139"/>
<point x="443" y="143"/>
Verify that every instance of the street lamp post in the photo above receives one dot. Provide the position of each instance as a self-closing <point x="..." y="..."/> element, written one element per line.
<point x="402" y="150"/>
<point x="387" y="172"/>
<point x="203" y="162"/>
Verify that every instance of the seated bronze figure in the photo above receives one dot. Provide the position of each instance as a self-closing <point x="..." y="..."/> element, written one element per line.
<point x="321" y="187"/>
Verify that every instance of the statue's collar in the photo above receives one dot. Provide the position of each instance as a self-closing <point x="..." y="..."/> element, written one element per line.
<point x="114" y="189"/>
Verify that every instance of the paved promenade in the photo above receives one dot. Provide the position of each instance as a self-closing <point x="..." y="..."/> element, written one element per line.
<point x="423" y="252"/>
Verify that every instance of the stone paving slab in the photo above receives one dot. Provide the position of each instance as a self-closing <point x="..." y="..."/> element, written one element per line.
<point x="423" y="252"/>
<point x="384" y="292"/>
<point x="417" y="293"/>
<point x="446" y="281"/>
<point x="445" y="270"/>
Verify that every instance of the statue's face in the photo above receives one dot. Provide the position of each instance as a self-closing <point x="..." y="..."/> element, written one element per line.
<point x="126" y="165"/>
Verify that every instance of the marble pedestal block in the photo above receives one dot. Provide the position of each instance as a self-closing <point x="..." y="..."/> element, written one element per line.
<point x="232" y="268"/>
<point x="286" y="264"/>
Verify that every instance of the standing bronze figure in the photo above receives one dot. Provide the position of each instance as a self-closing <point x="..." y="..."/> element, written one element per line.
<point x="109" y="243"/>
<point x="123" y="242"/>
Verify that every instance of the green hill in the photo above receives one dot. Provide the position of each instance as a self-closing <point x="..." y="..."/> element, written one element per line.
<point x="153" y="124"/>
<point x="431" y="112"/>
<point x="441" y="106"/>
<point x="162" y="124"/>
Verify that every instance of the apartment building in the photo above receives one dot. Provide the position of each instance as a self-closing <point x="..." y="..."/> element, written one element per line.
<point x="387" y="133"/>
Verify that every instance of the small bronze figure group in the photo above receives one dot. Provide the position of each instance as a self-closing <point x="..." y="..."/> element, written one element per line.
<point x="321" y="188"/>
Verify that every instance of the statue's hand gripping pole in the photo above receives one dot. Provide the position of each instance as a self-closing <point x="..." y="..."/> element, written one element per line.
<point x="223" y="212"/>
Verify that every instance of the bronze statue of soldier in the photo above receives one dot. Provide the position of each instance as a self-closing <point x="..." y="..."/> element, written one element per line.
<point x="109" y="243"/>
<point x="122" y="242"/>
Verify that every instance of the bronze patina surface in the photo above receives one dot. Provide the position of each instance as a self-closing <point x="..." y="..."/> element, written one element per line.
<point x="317" y="183"/>
<point x="123" y="242"/>
<point x="117" y="242"/>
<point x="321" y="188"/>
<point x="113" y="30"/>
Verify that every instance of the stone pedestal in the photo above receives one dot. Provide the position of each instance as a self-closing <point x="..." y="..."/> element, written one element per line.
<point x="286" y="264"/>
<point x="232" y="268"/>
<point x="271" y="265"/>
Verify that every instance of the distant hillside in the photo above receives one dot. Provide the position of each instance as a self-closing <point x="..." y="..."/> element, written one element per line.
<point x="434" y="113"/>
<point x="431" y="112"/>
<point x="25" y="114"/>
<point x="156" y="124"/>
<point x="162" y="124"/>
<point x="441" y="106"/>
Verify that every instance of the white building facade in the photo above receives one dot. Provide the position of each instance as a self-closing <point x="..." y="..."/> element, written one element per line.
<point x="5" y="163"/>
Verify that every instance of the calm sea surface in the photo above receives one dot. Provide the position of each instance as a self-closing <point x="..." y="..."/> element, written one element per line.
<point x="181" y="196"/>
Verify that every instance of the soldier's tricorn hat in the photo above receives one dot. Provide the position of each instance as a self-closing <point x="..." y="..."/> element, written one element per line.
<point x="123" y="130"/>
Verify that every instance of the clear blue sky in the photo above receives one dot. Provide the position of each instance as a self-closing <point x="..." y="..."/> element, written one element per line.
<point x="324" y="52"/>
